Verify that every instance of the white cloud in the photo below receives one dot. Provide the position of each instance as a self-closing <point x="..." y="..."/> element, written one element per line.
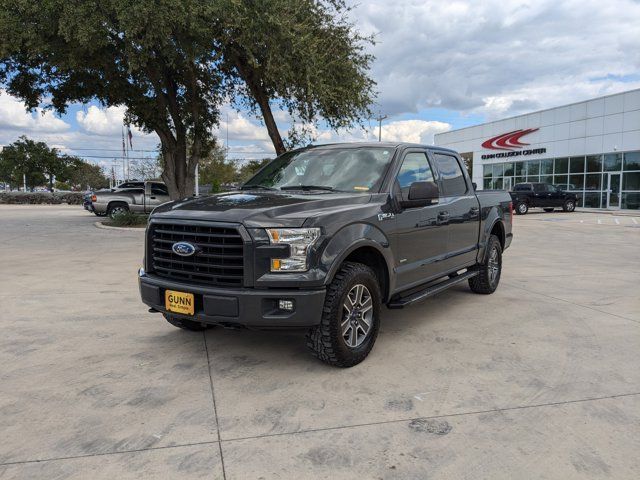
<point x="500" y="57"/>
<point x="14" y="116"/>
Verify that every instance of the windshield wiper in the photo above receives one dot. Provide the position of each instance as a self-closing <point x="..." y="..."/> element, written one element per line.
<point x="256" y="187"/>
<point x="307" y="187"/>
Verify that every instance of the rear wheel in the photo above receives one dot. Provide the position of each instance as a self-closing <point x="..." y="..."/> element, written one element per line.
<point x="549" y="209"/>
<point x="116" y="209"/>
<point x="522" y="208"/>
<point x="350" y="317"/>
<point x="569" y="206"/>
<point x="489" y="278"/>
<point x="187" y="324"/>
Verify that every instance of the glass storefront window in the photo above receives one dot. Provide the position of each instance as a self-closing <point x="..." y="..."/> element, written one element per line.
<point x="593" y="181"/>
<point x="631" y="181"/>
<point x="576" y="182"/>
<point x="592" y="199"/>
<point x="497" y="184"/>
<point x="486" y="171"/>
<point x="546" y="167"/>
<point x="594" y="163"/>
<point x="508" y="169"/>
<point x="612" y="162"/>
<point x="533" y="168"/>
<point x="632" y="161"/>
<point x="576" y="164"/>
<point x="487" y="184"/>
<point x="546" y="178"/>
<point x="519" y="168"/>
<point x="497" y="170"/>
<point x="631" y="200"/>
<point x="580" y="200"/>
<point x="519" y="180"/>
<point x="561" y="180"/>
<point x="533" y="178"/>
<point x="561" y="165"/>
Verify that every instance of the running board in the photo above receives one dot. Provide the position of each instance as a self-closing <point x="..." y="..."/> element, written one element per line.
<point x="401" y="302"/>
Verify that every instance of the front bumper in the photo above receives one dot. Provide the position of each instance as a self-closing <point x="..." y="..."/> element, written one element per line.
<point x="248" y="307"/>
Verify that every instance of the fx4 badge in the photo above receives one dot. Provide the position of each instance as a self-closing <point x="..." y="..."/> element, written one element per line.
<point x="385" y="216"/>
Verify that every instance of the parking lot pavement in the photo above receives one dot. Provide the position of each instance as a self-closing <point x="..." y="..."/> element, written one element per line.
<point x="538" y="380"/>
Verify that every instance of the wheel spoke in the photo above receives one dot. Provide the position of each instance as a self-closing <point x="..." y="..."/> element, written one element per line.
<point x="366" y="305"/>
<point x="359" y="290"/>
<point x="346" y="324"/>
<point x="353" y="338"/>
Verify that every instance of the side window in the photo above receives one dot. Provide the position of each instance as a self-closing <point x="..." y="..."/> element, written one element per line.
<point x="538" y="187"/>
<point x="453" y="183"/>
<point x="159" y="189"/>
<point x="415" y="168"/>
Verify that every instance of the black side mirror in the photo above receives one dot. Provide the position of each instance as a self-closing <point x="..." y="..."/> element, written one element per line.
<point x="421" y="194"/>
<point x="475" y="186"/>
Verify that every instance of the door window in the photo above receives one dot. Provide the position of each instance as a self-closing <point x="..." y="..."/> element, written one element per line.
<point x="415" y="168"/>
<point x="159" y="189"/>
<point x="453" y="182"/>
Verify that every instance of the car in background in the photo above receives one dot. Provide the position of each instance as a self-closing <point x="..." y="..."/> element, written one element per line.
<point x="541" y="195"/>
<point x="135" y="197"/>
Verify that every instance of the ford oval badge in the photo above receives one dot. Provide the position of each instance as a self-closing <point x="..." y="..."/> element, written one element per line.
<point x="184" y="249"/>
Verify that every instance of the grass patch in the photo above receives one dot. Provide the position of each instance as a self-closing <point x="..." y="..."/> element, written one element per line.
<point x="128" y="219"/>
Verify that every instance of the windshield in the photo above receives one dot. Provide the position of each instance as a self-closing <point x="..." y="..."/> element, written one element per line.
<point x="339" y="169"/>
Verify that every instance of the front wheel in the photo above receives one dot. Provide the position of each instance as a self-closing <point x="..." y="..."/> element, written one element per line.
<point x="522" y="208"/>
<point x="350" y="317"/>
<point x="569" y="206"/>
<point x="489" y="277"/>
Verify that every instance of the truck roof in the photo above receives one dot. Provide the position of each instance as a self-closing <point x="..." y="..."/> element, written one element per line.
<point x="379" y="144"/>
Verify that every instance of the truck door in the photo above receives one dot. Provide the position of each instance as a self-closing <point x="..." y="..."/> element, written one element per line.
<point x="156" y="194"/>
<point x="420" y="237"/>
<point x="461" y="209"/>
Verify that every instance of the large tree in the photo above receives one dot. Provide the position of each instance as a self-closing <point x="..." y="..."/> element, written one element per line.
<point x="171" y="63"/>
<point x="30" y="162"/>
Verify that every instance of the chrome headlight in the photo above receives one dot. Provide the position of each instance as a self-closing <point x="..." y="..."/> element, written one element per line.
<point x="300" y="241"/>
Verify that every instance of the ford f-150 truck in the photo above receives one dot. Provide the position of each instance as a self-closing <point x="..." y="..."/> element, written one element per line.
<point x="136" y="197"/>
<point x="321" y="238"/>
<point x="544" y="195"/>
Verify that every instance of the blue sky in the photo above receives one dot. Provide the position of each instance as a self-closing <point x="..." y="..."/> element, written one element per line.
<point x="439" y="66"/>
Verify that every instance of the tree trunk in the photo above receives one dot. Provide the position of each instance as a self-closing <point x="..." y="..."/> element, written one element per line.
<point x="270" y="123"/>
<point x="178" y="175"/>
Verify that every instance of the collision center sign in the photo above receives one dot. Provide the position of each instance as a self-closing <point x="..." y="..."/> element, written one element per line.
<point x="510" y="145"/>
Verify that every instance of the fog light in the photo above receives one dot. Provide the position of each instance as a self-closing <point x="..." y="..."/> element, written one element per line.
<point x="285" y="305"/>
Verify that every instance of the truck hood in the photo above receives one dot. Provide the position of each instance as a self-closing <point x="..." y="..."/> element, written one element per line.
<point x="260" y="209"/>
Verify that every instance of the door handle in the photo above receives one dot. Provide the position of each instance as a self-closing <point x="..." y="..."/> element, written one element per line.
<point x="152" y="198"/>
<point x="443" y="217"/>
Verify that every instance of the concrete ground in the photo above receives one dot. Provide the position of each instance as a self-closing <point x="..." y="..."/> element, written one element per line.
<point x="539" y="380"/>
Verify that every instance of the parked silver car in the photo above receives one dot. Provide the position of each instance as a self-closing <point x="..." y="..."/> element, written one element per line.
<point x="140" y="198"/>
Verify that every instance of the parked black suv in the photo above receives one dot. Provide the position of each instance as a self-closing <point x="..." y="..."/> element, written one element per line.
<point x="320" y="238"/>
<point x="543" y="195"/>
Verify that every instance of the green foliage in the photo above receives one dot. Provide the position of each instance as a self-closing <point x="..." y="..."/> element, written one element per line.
<point x="128" y="219"/>
<point x="248" y="169"/>
<point x="172" y="63"/>
<point x="41" y="164"/>
<point x="216" y="170"/>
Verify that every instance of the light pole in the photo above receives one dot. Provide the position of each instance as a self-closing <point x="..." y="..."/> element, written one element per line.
<point x="380" y="118"/>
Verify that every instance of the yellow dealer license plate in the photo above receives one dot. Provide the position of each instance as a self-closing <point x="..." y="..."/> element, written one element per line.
<point x="179" y="302"/>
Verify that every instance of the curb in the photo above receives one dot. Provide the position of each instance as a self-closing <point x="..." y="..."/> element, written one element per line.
<point x="129" y="229"/>
<point x="617" y="213"/>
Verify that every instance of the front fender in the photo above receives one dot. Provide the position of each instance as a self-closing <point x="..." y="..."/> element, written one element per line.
<point x="349" y="239"/>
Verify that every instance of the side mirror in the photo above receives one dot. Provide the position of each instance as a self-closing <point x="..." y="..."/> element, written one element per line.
<point x="475" y="186"/>
<point x="421" y="194"/>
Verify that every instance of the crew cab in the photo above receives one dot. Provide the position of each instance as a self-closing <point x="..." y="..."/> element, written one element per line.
<point x="543" y="195"/>
<point x="136" y="197"/>
<point x="321" y="238"/>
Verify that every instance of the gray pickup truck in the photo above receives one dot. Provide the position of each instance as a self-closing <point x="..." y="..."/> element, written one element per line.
<point x="136" y="197"/>
<point x="321" y="238"/>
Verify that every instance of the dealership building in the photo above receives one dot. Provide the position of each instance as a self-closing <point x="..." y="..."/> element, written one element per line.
<point x="591" y="148"/>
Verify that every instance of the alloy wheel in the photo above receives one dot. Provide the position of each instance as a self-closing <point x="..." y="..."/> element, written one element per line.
<point x="357" y="315"/>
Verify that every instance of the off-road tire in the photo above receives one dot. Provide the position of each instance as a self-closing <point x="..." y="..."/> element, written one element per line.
<point x="484" y="282"/>
<point x="185" y="324"/>
<point x="116" y="209"/>
<point x="325" y="340"/>
<point x="549" y="210"/>
<point x="569" y="206"/>
<point x="522" y="208"/>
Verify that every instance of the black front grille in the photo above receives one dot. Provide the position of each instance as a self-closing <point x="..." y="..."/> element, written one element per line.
<point x="218" y="261"/>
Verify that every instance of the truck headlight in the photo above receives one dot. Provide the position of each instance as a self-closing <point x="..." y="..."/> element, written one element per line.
<point x="300" y="241"/>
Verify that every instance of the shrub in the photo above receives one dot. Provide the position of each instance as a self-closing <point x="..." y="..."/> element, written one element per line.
<point x="128" y="219"/>
<point x="43" y="198"/>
